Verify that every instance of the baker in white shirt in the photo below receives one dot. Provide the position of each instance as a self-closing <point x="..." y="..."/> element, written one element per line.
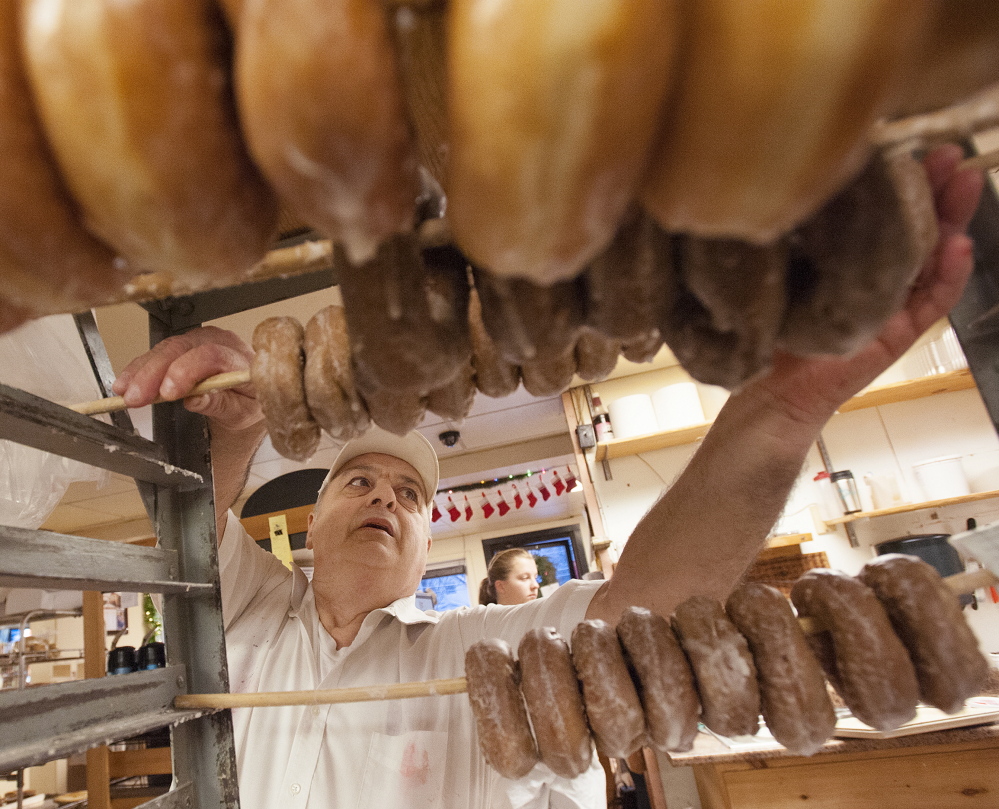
<point x="357" y="623"/>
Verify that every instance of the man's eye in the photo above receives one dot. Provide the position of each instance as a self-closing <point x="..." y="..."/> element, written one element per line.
<point x="410" y="494"/>
<point x="359" y="481"/>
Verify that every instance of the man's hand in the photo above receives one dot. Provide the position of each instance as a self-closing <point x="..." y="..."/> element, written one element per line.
<point x="174" y="366"/>
<point x="811" y="388"/>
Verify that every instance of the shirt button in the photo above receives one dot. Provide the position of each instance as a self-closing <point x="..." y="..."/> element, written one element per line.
<point x="296" y="788"/>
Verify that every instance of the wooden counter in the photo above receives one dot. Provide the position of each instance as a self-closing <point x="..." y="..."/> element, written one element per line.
<point x="941" y="770"/>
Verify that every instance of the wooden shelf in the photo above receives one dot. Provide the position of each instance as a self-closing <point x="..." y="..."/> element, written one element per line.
<point x="886" y="394"/>
<point x="911" y="389"/>
<point x="884" y="512"/>
<point x="635" y="445"/>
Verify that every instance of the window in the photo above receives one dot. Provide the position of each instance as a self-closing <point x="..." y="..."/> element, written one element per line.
<point x="443" y="588"/>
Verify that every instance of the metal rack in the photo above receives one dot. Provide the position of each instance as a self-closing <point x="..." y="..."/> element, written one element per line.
<point x="173" y="474"/>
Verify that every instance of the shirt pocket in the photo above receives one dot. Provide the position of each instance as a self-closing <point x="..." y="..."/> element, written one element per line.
<point x="404" y="771"/>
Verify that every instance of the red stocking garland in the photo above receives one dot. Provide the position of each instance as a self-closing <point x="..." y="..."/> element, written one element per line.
<point x="502" y="505"/>
<point x="557" y="483"/>
<point x="468" y="509"/>
<point x="487" y="507"/>
<point x="518" y="501"/>
<point x="453" y="512"/>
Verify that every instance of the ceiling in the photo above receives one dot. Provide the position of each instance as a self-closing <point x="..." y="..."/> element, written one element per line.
<point x="500" y="437"/>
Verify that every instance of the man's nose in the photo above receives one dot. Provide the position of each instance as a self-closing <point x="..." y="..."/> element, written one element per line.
<point x="382" y="492"/>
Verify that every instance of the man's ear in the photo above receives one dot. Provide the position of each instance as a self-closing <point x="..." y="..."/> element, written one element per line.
<point x="308" y="535"/>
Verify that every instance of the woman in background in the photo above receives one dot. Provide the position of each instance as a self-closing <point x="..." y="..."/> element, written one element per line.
<point x="512" y="579"/>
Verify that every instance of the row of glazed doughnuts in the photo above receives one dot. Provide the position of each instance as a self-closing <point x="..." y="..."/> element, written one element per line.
<point x="162" y="135"/>
<point x="891" y="636"/>
<point x="415" y="334"/>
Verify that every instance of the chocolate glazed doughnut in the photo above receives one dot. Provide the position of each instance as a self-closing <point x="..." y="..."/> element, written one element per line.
<point x="454" y="400"/>
<point x="665" y="682"/>
<point x="612" y="705"/>
<point x="551" y="692"/>
<point x="725" y="307"/>
<point x="408" y="320"/>
<point x="927" y="616"/>
<point x="852" y="268"/>
<point x="596" y="355"/>
<point x="277" y="375"/>
<point x="500" y="717"/>
<point x="723" y="667"/>
<point x="796" y="705"/>
<point x="397" y="411"/>
<point x="871" y="669"/>
<point x="528" y="321"/>
<point x="329" y="376"/>
<point x="626" y="289"/>
<point x="494" y="375"/>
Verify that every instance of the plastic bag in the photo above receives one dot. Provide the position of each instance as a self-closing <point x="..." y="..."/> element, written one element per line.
<point x="44" y="357"/>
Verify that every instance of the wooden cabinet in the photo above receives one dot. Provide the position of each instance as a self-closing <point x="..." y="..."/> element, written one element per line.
<point x="937" y="776"/>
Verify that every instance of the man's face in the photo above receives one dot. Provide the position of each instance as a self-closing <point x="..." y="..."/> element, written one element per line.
<point x="374" y="515"/>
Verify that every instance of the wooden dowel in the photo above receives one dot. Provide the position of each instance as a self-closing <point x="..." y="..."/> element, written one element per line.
<point x="429" y="688"/>
<point x="231" y="379"/>
<point x="986" y="161"/>
<point x="959" y="583"/>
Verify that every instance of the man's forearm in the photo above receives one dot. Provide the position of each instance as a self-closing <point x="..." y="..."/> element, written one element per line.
<point x="704" y="532"/>
<point x="232" y="452"/>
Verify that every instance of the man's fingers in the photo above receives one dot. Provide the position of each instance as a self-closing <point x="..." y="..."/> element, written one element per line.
<point x="958" y="200"/>
<point x="171" y="368"/>
<point x="198" y="364"/>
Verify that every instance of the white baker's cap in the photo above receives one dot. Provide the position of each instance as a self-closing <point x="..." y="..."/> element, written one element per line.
<point x="412" y="448"/>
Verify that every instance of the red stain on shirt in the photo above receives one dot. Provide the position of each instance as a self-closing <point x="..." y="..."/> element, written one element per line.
<point x="415" y="765"/>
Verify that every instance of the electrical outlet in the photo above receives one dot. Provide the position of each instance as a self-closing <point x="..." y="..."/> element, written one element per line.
<point x="587" y="438"/>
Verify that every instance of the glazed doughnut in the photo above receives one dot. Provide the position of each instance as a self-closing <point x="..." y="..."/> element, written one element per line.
<point x="665" y="683"/>
<point x="793" y="695"/>
<point x="927" y="616"/>
<point x="722" y="665"/>
<point x="553" y="117"/>
<point x="137" y="106"/>
<point x="612" y="705"/>
<point x="407" y="319"/>
<point x="596" y="355"/>
<point x="858" y="256"/>
<point x="48" y="261"/>
<point x="959" y="58"/>
<point x="454" y="400"/>
<point x="872" y="671"/>
<point x="338" y="149"/>
<point x="551" y="691"/>
<point x="772" y="109"/>
<point x="494" y="375"/>
<point x="421" y="44"/>
<point x="527" y="321"/>
<point x="548" y="376"/>
<point x="398" y="411"/>
<point x="500" y="716"/>
<point x="709" y="354"/>
<point x="626" y="288"/>
<point x="329" y="376"/>
<point x="277" y="372"/>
